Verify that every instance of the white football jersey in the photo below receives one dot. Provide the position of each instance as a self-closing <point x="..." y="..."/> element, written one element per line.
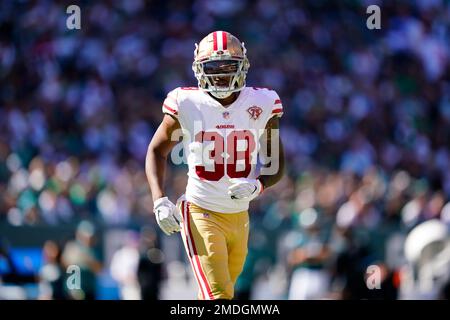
<point x="220" y="142"/>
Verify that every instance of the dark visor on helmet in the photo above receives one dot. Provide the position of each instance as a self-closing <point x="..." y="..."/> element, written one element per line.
<point x="220" y="67"/>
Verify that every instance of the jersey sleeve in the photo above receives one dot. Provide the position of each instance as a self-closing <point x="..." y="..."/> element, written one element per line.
<point x="170" y="104"/>
<point x="277" y="106"/>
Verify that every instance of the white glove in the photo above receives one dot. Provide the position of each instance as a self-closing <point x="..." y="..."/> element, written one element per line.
<point x="167" y="215"/>
<point x="245" y="189"/>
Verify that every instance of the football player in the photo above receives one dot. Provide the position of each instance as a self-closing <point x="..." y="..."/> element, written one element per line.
<point x="225" y="126"/>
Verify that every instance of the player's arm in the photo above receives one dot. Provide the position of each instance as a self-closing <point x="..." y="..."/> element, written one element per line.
<point x="157" y="153"/>
<point x="166" y="213"/>
<point x="276" y="160"/>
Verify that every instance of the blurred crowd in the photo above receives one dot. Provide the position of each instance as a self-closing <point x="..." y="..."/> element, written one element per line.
<point x="366" y="127"/>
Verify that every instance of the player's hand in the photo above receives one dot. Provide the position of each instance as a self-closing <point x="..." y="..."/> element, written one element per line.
<point x="245" y="189"/>
<point x="167" y="215"/>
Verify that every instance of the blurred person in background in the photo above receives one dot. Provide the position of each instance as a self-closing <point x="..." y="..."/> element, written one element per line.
<point x="150" y="265"/>
<point x="308" y="260"/>
<point x="81" y="253"/>
<point x="351" y="253"/>
<point x="52" y="274"/>
<point x="124" y="267"/>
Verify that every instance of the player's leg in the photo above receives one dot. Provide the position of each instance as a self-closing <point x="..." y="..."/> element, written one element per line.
<point x="238" y="247"/>
<point x="206" y="246"/>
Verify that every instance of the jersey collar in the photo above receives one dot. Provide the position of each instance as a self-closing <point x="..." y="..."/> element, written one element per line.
<point x="215" y="103"/>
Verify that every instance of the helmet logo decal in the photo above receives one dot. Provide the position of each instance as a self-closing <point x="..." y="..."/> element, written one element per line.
<point x="254" y="112"/>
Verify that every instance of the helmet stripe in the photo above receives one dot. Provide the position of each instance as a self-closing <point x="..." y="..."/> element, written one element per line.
<point x="214" y="41"/>
<point x="219" y="40"/>
<point x="224" y="41"/>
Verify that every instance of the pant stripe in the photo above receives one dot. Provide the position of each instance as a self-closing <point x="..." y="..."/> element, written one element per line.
<point x="209" y="294"/>
<point x="188" y="247"/>
<point x="191" y="252"/>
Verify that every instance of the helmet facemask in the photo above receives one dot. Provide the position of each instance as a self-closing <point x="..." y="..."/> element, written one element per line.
<point x="221" y="77"/>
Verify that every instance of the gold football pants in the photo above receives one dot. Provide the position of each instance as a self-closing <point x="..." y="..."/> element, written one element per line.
<point x="216" y="244"/>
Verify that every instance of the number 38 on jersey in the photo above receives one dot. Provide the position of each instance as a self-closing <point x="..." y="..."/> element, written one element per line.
<point x="231" y="153"/>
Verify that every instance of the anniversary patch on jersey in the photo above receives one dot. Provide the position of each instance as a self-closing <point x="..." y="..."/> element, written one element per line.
<point x="254" y="112"/>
